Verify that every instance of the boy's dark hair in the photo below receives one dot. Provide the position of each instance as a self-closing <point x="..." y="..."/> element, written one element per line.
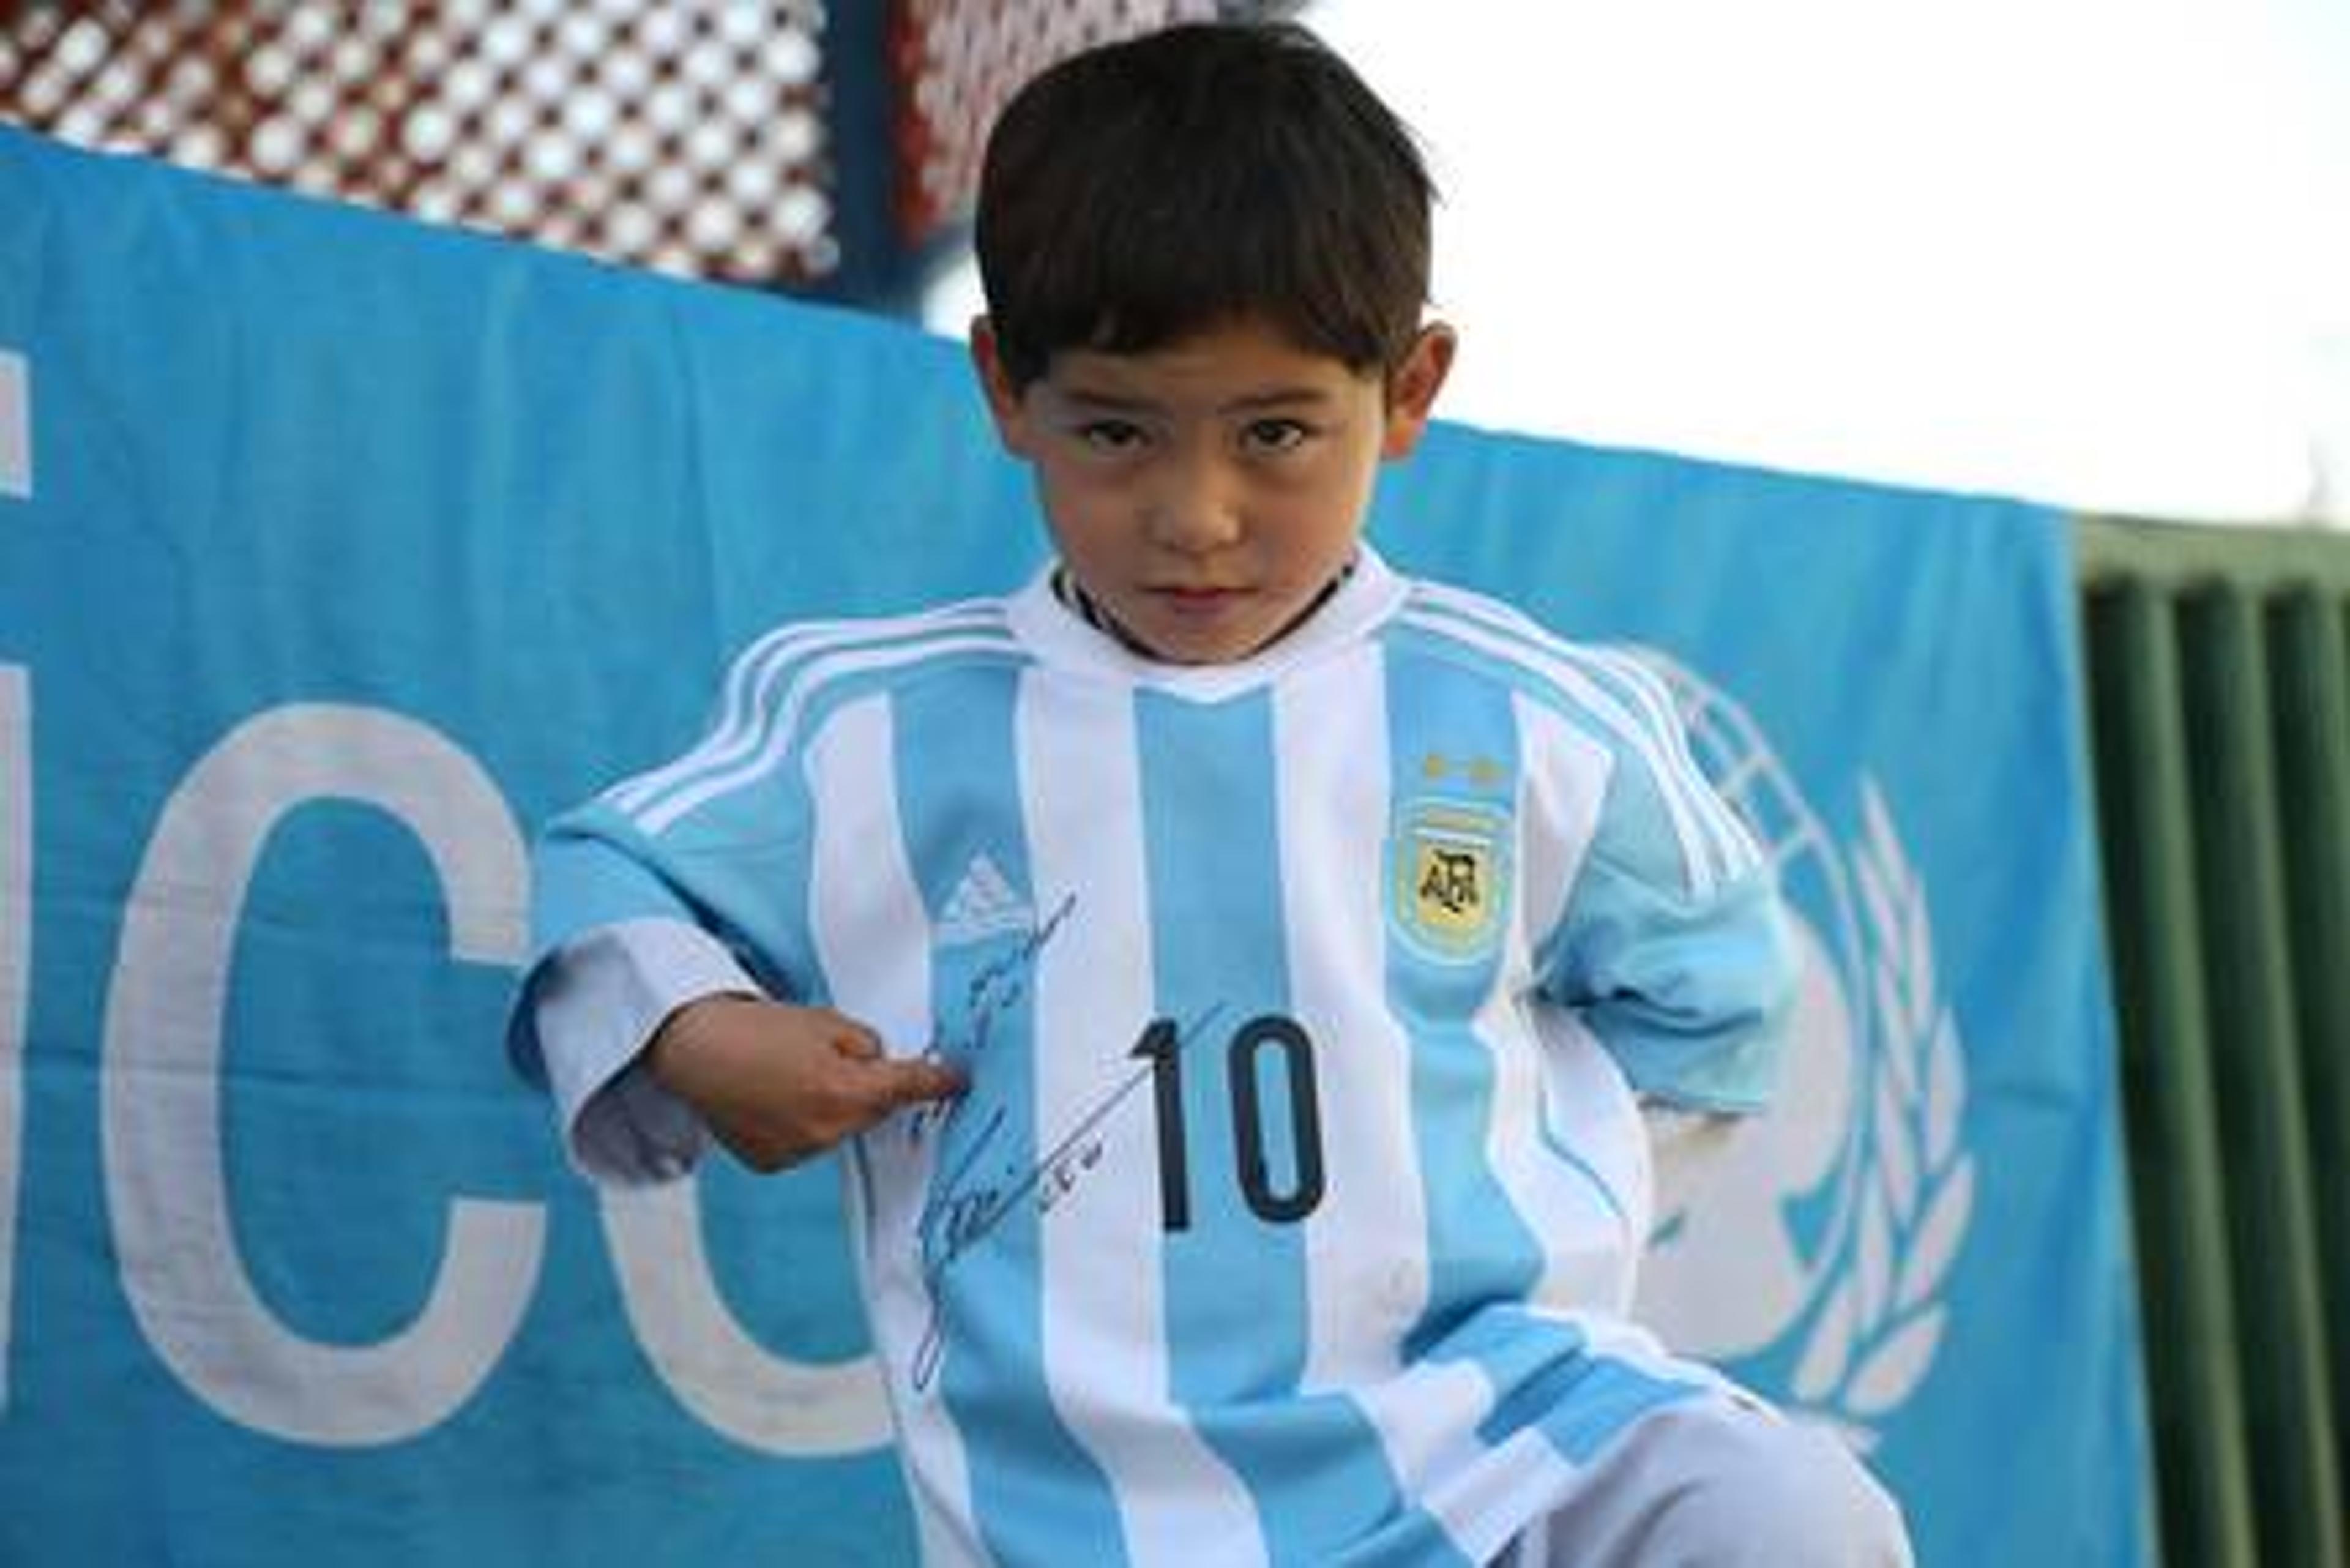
<point x="1149" y="189"/>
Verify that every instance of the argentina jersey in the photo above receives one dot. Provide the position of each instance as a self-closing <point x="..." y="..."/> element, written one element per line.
<point x="1305" y="1004"/>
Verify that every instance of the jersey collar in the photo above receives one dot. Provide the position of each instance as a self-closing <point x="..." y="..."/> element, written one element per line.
<point x="1061" y="634"/>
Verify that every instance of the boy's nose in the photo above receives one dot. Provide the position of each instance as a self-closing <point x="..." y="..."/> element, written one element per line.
<point x="1193" y="511"/>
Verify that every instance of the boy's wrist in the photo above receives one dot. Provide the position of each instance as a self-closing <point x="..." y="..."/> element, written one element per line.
<point x="667" y="1053"/>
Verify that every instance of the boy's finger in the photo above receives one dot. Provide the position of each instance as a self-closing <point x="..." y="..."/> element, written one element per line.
<point x="911" y="1079"/>
<point x="855" y="1041"/>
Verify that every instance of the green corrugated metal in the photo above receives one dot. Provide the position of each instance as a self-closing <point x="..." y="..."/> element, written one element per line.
<point x="2220" y="703"/>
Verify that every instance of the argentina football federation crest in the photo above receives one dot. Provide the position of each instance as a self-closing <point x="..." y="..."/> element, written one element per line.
<point x="1449" y="876"/>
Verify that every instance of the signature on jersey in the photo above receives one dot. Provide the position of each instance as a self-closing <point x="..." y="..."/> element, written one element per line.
<point x="985" y="1187"/>
<point x="993" y="989"/>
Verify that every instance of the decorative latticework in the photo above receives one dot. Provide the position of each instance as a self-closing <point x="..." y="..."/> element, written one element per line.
<point x="956" y="62"/>
<point x="687" y="135"/>
<point x="737" y="139"/>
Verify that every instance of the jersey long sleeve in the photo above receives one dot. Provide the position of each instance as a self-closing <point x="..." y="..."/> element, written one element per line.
<point x="1306" y="1006"/>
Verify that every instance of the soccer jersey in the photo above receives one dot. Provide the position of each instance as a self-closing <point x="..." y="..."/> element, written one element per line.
<point x="1305" y="1004"/>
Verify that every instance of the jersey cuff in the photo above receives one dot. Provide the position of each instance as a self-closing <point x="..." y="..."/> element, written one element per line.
<point x="596" y="1003"/>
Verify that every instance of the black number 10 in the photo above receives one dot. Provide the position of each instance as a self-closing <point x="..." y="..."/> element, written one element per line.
<point x="1162" y="1046"/>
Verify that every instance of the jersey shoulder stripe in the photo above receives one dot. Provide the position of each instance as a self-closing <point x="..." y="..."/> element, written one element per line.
<point x="1644" y="686"/>
<point x="1611" y="692"/>
<point x="755" y="673"/>
<point x="779" y="680"/>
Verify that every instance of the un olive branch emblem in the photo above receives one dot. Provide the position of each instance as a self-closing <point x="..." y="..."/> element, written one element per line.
<point x="1881" y="1319"/>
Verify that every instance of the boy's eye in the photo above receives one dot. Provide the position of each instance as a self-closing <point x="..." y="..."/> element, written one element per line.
<point x="1111" y="435"/>
<point x="1275" y="435"/>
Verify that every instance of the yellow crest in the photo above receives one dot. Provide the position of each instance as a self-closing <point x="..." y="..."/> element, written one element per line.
<point x="1451" y="877"/>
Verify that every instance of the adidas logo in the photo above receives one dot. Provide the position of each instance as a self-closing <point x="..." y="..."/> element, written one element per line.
<point x="984" y="904"/>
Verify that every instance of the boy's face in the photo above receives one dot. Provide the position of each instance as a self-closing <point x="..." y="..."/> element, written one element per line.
<point x="1203" y="494"/>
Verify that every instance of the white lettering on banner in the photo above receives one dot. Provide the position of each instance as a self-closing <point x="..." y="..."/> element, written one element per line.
<point x="165" y="1180"/>
<point x="718" y="1371"/>
<point x="16" y="970"/>
<point x="15" y="425"/>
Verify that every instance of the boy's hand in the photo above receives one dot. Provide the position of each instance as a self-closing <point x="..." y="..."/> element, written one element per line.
<point x="778" y="1084"/>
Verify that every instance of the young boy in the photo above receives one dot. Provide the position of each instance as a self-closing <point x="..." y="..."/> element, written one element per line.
<point x="1229" y="971"/>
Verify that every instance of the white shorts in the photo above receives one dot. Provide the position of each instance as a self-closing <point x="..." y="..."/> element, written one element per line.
<point x="1719" y="1480"/>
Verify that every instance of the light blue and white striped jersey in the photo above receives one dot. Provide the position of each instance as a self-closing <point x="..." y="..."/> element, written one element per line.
<point x="1293" y="1206"/>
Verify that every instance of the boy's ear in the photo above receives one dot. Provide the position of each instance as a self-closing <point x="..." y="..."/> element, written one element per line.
<point x="1003" y="403"/>
<point x="1413" y="386"/>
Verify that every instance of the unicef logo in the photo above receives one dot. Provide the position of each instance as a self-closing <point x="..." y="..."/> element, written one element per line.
<point x="1825" y="1229"/>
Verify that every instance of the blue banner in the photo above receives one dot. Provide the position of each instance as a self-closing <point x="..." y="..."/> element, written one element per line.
<point x="337" y="552"/>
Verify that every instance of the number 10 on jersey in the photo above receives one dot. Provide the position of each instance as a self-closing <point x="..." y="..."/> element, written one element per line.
<point x="1245" y="1058"/>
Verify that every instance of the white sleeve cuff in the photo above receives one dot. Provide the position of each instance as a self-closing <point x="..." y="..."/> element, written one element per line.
<point x="599" y="999"/>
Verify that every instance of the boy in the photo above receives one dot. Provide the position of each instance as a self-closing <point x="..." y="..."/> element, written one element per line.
<point x="1226" y="967"/>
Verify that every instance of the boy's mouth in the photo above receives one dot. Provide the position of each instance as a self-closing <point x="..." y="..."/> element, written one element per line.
<point x="1190" y="595"/>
